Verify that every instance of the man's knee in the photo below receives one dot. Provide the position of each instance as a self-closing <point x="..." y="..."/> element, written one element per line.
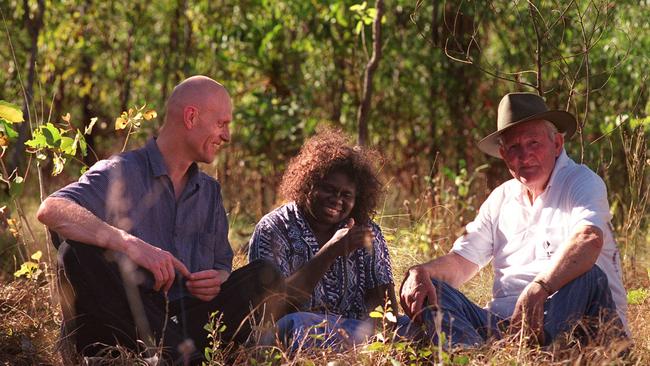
<point x="594" y="277"/>
<point x="598" y="276"/>
<point x="267" y="272"/>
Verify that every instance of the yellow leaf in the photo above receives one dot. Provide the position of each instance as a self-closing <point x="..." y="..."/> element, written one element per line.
<point x="37" y="256"/>
<point x="10" y="112"/>
<point x="4" y="141"/>
<point x="150" y="114"/>
<point x="376" y="314"/>
<point x="66" y="117"/>
<point x="120" y="123"/>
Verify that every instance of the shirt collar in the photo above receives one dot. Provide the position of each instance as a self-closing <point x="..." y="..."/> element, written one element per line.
<point x="156" y="161"/>
<point x="158" y="167"/>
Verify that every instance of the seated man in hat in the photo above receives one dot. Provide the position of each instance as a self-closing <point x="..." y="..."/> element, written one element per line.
<point x="547" y="234"/>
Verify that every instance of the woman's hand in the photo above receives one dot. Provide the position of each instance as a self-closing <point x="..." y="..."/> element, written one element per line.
<point x="350" y="238"/>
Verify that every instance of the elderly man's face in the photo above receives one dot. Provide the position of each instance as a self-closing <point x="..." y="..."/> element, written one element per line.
<point x="529" y="152"/>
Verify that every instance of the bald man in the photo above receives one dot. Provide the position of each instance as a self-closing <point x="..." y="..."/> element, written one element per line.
<point x="146" y="248"/>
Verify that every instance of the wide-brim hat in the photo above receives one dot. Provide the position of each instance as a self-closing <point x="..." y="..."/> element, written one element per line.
<point x="516" y="108"/>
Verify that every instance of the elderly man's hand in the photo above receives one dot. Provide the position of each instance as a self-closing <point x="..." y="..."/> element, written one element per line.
<point x="206" y="285"/>
<point x="416" y="289"/>
<point x="528" y="316"/>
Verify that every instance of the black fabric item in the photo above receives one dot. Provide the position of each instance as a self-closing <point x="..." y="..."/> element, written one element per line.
<point x="97" y="311"/>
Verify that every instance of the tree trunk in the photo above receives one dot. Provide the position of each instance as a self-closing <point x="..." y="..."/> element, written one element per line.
<point x="34" y="24"/>
<point x="170" y="61"/>
<point x="371" y="67"/>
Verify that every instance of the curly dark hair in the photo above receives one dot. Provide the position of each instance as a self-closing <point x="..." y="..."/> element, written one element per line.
<point x="330" y="150"/>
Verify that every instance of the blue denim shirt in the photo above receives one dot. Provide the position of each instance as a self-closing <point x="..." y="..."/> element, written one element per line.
<point x="133" y="192"/>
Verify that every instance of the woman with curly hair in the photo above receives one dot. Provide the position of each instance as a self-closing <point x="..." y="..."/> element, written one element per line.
<point x="333" y="256"/>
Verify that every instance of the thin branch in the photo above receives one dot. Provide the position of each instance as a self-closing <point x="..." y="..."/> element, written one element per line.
<point x="538" y="48"/>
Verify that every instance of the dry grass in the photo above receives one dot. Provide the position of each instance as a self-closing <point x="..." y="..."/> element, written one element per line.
<point x="30" y="318"/>
<point x="29" y="325"/>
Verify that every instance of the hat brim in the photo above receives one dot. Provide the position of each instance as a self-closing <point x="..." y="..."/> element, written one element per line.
<point x="564" y="121"/>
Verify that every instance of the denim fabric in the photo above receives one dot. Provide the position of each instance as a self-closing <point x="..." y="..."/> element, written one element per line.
<point x="466" y="324"/>
<point x="307" y="330"/>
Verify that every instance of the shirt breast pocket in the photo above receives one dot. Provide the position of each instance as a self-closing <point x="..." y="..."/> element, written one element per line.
<point x="204" y="252"/>
<point x="549" y="241"/>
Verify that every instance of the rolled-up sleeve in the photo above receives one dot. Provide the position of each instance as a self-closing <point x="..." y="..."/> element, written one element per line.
<point x="92" y="189"/>
<point x="477" y="243"/>
<point x="589" y="203"/>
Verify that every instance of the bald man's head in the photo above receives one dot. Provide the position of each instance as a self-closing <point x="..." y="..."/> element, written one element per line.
<point x="199" y="91"/>
<point x="196" y="125"/>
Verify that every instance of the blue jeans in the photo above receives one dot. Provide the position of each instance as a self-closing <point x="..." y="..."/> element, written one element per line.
<point x="306" y="330"/>
<point x="465" y="323"/>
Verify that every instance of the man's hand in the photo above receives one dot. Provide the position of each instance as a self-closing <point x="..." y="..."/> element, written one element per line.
<point x="206" y="285"/>
<point x="350" y="238"/>
<point x="160" y="263"/>
<point x="528" y="315"/>
<point x="417" y="288"/>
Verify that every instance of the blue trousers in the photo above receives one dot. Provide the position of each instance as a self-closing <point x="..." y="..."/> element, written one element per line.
<point x="304" y="330"/>
<point x="465" y="323"/>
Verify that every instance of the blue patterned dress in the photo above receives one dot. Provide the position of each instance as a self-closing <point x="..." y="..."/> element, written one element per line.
<point x="284" y="237"/>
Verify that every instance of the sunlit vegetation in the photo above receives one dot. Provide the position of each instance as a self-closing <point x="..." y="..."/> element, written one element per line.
<point x="84" y="80"/>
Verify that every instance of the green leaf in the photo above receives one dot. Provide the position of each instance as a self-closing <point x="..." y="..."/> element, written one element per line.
<point x="16" y="187"/>
<point x="81" y="141"/>
<point x="358" y="28"/>
<point x="461" y="360"/>
<point x="52" y="135"/>
<point x="358" y="7"/>
<point x="8" y="129"/>
<point x="375" y="346"/>
<point x="424" y="353"/>
<point x="38" y="140"/>
<point x="27" y="269"/>
<point x="68" y="145"/>
<point x="10" y="112"/>
<point x="637" y="296"/>
<point x="37" y="255"/>
<point x="370" y="15"/>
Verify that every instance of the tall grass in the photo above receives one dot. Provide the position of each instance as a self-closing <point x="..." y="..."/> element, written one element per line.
<point x="417" y="228"/>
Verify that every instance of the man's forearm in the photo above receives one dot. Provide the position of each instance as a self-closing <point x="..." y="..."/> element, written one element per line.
<point x="451" y="268"/>
<point x="576" y="258"/>
<point x="74" y="222"/>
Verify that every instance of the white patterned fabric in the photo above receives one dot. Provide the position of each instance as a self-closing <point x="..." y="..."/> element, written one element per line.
<point x="284" y="237"/>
